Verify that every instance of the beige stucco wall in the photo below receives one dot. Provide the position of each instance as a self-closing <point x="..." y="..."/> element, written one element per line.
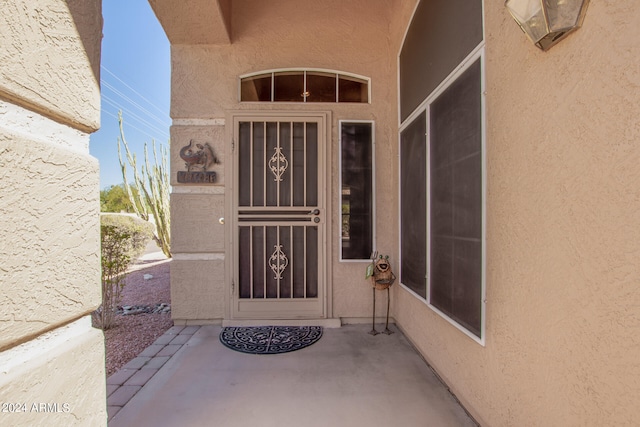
<point x="51" y="266"/>
<point x="196" y="296"/>
<point x="196" y="21"/>
<point x="49" y="213"/>
<point x="55" y="385"/>
<point x="563" y="203"/>
<point x="60" y="40"/>
<point x="198" y="246"/>
<point x="201" y="231"/>
<point x="279" y="34"/>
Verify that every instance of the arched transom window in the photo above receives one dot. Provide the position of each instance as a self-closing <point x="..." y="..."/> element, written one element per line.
<point x="304" y="85"/>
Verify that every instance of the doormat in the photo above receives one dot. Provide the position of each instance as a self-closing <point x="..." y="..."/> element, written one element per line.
<point x="269" y="339"/>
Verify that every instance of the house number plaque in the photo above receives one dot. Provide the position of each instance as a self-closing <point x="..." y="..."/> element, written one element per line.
<point x="185" y="177"/>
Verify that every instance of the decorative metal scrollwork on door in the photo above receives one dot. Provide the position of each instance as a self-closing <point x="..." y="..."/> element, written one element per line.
<point x="278" y="262"/>
<point x="278" y="164"/>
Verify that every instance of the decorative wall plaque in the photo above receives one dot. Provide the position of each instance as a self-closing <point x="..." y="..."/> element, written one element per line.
<point x="199" y="159"/>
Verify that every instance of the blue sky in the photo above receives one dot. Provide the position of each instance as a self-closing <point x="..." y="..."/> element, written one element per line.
<point x="135" y="78"/>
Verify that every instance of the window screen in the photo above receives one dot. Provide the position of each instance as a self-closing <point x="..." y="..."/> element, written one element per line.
<point x="413" y="215"/>
<point x="455" y="212"/>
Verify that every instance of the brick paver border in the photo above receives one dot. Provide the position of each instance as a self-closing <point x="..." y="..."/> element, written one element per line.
<point x="128" y="380"/>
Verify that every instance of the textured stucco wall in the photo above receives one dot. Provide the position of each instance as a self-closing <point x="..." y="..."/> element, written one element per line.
<point x="563" y="214"/>
<point x="198" y="247"/>
<point x="197" y="228"/>
<point x="50" y="356"/>
<point x="60" y="40"/>
<point x="347" y="36"/>
<point x="59" y="384"/>
<point x="50" y="271"/>
<point x="195" y="21"/>
<point x="196" y="297"/>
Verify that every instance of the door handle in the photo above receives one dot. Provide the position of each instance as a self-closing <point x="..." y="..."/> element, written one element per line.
<point x="315" y="212"/>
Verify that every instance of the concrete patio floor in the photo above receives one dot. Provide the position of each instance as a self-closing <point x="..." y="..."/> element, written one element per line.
<point x="348" y="378"/>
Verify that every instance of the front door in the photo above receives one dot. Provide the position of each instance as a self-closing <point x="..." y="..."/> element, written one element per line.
<point x="279" y="217"/>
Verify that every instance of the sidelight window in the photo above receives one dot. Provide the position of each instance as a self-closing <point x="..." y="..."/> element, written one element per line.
<point x="357" y="190"/>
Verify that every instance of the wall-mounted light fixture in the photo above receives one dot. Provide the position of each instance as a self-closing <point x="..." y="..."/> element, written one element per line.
<point x="546" y="22"/>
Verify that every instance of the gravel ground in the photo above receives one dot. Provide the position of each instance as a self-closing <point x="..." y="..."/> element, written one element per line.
<point x="134" y="333"/>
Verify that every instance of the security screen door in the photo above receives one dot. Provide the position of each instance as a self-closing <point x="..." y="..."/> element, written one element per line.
<point x="279" y="218"/>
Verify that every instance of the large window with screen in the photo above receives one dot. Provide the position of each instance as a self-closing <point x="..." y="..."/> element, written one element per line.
<point x="442" y="167"/>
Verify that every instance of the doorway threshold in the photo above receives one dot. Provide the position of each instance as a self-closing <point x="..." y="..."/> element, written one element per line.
<point x="325" y="323"/>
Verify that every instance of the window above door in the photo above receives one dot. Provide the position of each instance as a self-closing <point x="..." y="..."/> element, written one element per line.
<point x="304" y="85"/>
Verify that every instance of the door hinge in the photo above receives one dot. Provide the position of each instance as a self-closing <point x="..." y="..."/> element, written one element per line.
<point x="233" y="288"/>
<point x="233" y="145"/>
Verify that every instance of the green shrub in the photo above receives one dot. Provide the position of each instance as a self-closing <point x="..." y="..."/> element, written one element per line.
<point x="140" y="232"/>
<point x="116" y="244"/>
<point x="123" y="239"/>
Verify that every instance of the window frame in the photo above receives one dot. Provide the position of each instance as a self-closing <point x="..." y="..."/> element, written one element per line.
<point x="373" y="190"/>
<point x="304" y="71"/>
<point x="416" y="119"/>
<point x="477" y="54"/>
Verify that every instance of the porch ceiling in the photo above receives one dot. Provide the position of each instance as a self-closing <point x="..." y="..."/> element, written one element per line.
<point x="194" y="21"/>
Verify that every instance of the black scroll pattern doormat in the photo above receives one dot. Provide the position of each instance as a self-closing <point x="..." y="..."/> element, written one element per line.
<point x="269" y="339"/>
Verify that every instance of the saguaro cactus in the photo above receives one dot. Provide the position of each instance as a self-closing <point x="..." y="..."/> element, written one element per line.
<point x="152" y="183"/>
